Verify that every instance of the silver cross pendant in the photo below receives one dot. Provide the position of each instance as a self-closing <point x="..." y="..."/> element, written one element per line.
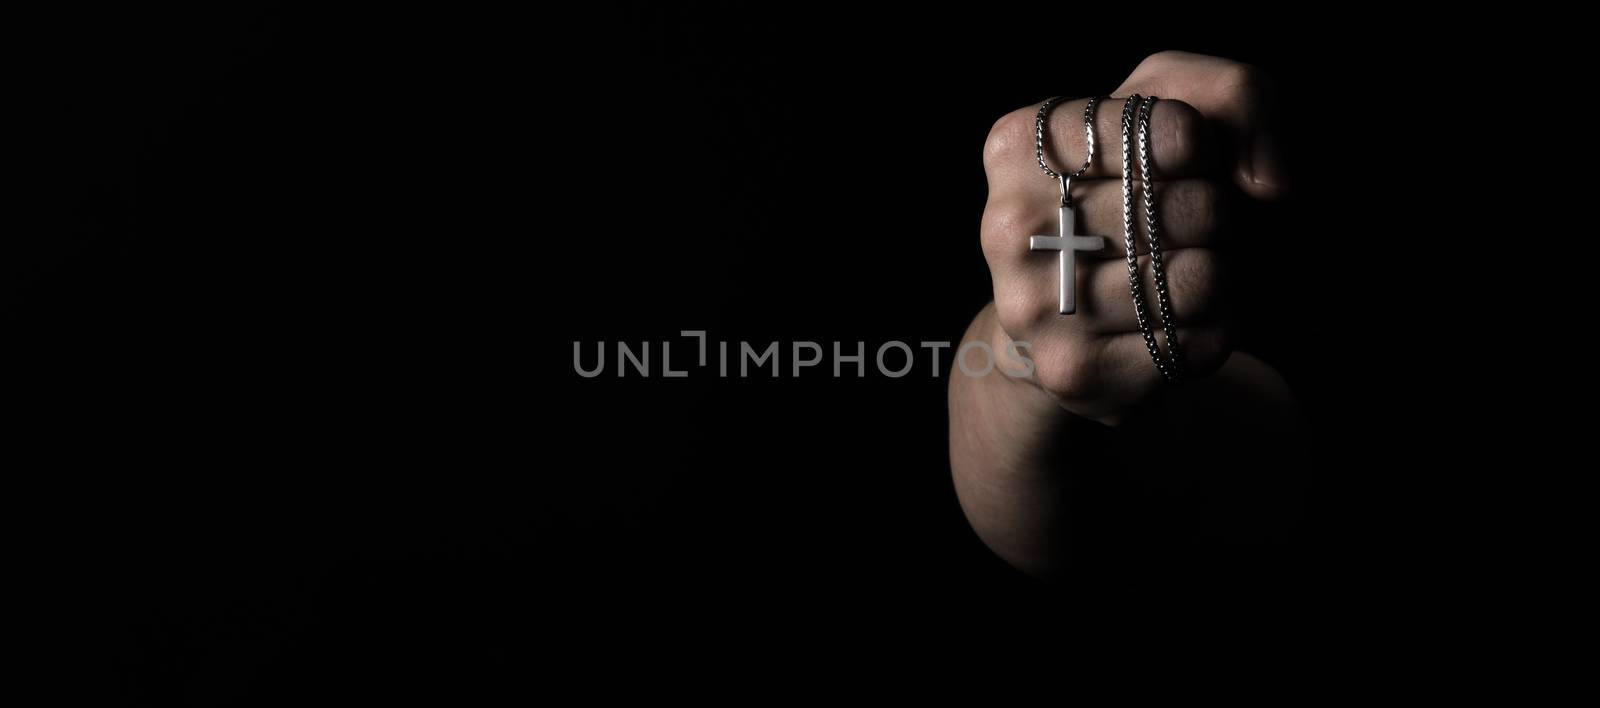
<point x="1067" y="245"/>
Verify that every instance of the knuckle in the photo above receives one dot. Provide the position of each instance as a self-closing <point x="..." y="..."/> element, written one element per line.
<point x="1007" y="223"/>
<point x="1178" y="126"/>
<point x="1018" y="309"/>
<point x="1005" y="219"/>
<point x="1007" y="136"/>
<point x="1239" y="80"/>
<point x="1194" y="264"/>
<point x="1193" y="207"/>
<point x="1197" y="277"/>
<point x="1161" y="60"/>
<point x="1069" y="375"/>
<point x="1201" y="201"/>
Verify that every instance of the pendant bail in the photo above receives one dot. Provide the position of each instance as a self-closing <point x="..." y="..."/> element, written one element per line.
<point x="1066" y="190"/>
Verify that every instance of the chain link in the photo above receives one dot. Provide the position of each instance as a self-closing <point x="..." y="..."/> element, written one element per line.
<point x="1038" y="144"/>
<point x="1169" y="326"/>
<point x="1167" y="364"/>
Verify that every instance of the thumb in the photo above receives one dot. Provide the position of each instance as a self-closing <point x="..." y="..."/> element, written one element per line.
<point x="1237" y="97"/>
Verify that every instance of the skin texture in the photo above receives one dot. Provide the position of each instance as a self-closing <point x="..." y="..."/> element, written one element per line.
<point x="1021" y="446"/>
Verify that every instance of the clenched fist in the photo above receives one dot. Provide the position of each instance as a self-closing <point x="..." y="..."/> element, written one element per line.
<point x="1013" y="437"/>
<point x="1094" y="363"/>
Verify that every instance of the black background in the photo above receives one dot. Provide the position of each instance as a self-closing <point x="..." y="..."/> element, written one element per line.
<point x="292" y="346"/>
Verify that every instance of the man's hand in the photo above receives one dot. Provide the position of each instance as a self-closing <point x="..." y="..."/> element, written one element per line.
<point x="1017" y="442"/>
<point x="1094" y="363"/>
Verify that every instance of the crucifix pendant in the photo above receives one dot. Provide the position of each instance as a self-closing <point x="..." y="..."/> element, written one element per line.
<point x="1067" y="245"/>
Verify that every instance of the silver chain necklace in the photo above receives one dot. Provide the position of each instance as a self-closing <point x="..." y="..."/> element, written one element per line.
<point x="1169" y="364"/>
<point x="1067" y="242"/>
